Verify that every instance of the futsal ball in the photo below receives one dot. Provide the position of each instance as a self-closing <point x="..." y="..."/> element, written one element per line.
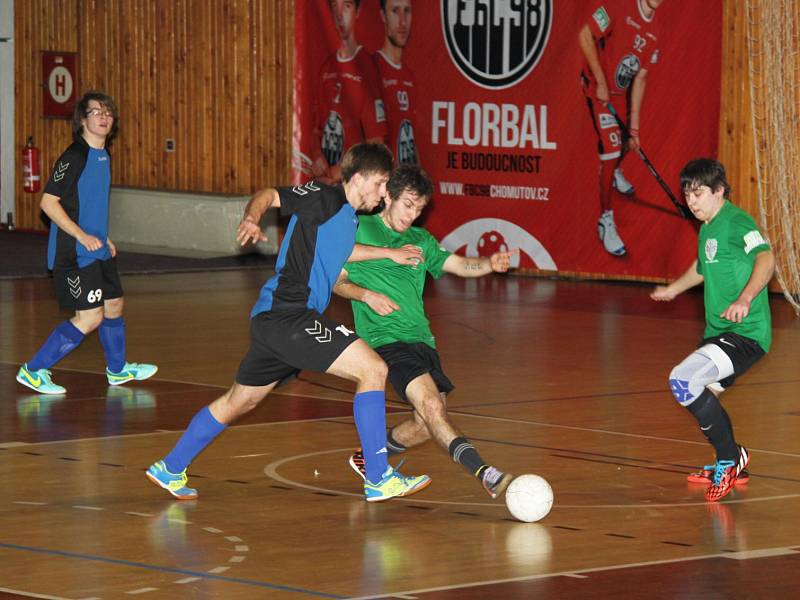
<point x="529" y="498"/>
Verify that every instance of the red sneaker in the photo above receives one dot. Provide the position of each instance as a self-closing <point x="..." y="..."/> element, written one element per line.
<point x="726" y="472"/>
<point x="705" y="475"/>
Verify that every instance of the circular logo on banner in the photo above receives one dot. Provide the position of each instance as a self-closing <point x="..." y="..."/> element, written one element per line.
<point x="333" y="138"/>
<point x="484" y="237"/>
<point x="60" y="84"/>
<point x="496" y="43"/>
<point x="406" y="146"/>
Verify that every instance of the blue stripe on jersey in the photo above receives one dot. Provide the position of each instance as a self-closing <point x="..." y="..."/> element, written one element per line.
<point x="335" y="240"/>
<point x="51" y="246"/>
<point x="93" y="190"/>
<point x="334" y="243"/>
<point x="264" y="302"/>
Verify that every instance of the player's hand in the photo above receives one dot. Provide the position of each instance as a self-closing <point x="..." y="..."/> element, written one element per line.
<point x="634" y="143"/>
<point x="501" y="261"/>
<point x="602" y="92"/>
<point x="406" y="255"/>
<point x="662" y="293"/>
<point x="380" y="304"/>
<point x="320" y="168"/>
<point x="737" y="311"/>
<point x="249" y="231"/>
<point x="90" y="242"/>
<point x="111" y="248"/>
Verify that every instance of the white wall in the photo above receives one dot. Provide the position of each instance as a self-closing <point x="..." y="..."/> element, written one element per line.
<point x="7" y="174"/>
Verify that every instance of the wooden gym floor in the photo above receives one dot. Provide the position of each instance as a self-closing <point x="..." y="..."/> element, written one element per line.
<point x="564" y="379"/>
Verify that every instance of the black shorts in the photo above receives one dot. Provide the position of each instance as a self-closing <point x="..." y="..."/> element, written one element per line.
<point x="409" y="361"/>
<point x="88" y="287"/>
<point x="742" y="351"/>
<point x="284" y="342"/>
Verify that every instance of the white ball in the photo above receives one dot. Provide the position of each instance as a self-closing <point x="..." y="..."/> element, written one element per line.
<point x="529" y="498"/>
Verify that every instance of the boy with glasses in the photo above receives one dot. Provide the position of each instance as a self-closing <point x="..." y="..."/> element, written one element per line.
<point x="80" y="253"/>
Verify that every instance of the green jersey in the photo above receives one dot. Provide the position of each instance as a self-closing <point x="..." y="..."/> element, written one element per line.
<point x="402" y="283"/>
<point x="726" y="251"/>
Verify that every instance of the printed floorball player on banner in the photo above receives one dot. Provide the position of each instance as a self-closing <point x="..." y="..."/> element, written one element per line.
<point x="619" y="43"/>
<point x="735" y="264"/>
<point x="80" y="253"/>
<point x="390" y="317"/>
<point x="398" y="83"/>
<point x="288" y="331"/>
<point x="350" y="108"/>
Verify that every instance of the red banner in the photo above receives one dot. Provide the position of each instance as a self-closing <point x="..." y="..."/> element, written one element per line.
<point x="487" y="96"/>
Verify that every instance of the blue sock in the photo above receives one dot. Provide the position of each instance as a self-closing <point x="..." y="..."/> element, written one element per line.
<point x="64" y="339"/>
<point x="112" y="336"/>
<point x="369" y="410"/>
<point x="200" y="433"/>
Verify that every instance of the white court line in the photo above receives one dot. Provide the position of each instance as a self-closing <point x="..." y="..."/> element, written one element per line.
<point x="775" y="552"/>
<point x="31" y="594"/>
<point x="271" y="470"/>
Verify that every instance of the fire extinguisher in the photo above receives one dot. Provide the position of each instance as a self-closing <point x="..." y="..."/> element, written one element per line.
<point x="31" y="174"/>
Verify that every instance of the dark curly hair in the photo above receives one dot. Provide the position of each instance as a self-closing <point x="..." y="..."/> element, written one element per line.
<point x="83" y="106"/>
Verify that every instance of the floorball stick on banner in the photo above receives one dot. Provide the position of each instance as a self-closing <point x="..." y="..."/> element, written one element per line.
<point x="683" y="210"/>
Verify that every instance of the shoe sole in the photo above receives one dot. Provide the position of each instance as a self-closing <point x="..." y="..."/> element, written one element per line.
<point x="356" y="468"/>
<point x="628" y="192"/>
<point x="132" y="379"/>
<point x="163" y="487"/>
<point x="418" y="488"/>
<point x="37" y="390"/>
<point x="504" y="482"/>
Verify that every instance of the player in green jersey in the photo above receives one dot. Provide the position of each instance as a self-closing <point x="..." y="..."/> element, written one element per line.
<point x="735" y="264"/>
<point x="390" y="317"/>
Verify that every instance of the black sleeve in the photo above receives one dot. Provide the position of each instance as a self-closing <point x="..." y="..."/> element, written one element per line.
<point x="312" y="200"/>
<point x="66" y="171"/>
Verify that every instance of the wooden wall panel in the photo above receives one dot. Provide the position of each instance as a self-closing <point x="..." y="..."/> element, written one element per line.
<point x="214" y="75"/>
<point x="736" y="149"/>
<point x="50" y="135"/>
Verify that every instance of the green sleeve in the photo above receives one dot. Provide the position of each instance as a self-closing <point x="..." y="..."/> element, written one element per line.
<point x="745" y="236"/>
<point x="435" y="255"/>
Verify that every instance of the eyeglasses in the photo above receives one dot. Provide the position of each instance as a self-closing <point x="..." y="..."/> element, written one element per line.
<point x="99" y="112"/>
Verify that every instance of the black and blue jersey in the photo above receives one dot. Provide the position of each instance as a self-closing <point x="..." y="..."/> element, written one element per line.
<point x="319" y="239"/>
<point x="81" y="179"/>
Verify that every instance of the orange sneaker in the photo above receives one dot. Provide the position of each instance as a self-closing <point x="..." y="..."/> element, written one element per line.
<point x="705" y="475"/>
<point x="726" y="472"/>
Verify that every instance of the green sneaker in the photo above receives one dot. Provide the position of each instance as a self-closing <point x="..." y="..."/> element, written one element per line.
<point x="394" y="484"/>
<point x="130" y="372"/>
<point x="175" y="484"/>
<point x="39" y="381"/>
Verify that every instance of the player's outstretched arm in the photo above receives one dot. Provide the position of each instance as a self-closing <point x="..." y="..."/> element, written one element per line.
<point x="51" y="205"/>
<point x="763" y="269"/>
<point x="249" y="229"/>
<point x="499" y="262"/>
<point x="404" y="255"/>
<point x="379" y="303"/>
<point x="691" y="278"/>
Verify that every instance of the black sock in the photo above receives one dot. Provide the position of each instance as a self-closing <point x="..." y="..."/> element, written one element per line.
<point x="462" y="451"/>
<point x="392" y="445"/>
<point x="715" y="425"/>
